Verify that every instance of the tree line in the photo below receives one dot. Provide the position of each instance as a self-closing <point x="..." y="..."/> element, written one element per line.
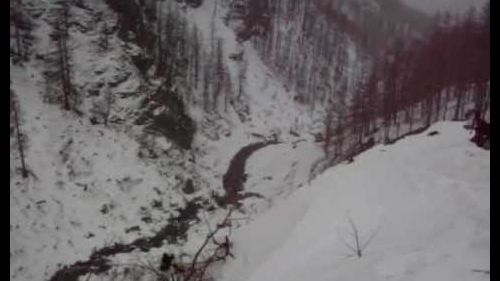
<point x="416" y="82"/>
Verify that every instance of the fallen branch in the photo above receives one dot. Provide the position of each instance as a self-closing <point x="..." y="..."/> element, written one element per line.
<point x="208" y="238"/>
<point x="481" y="271"/>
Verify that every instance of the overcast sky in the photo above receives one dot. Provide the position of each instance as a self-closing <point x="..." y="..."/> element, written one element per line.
<point x="454" y="6"/>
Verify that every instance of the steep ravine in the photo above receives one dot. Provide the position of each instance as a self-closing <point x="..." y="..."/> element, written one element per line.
<point x="99" y="261"/>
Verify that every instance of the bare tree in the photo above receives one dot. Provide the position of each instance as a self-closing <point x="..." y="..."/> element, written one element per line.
<point x="195" y="56"/>
<point x="61" y="36"/>
<point x="19" y="135"/>
<point x="356" y="245"/>
<point x="159" y="35"/>
<point x="16" y="20"/>
<point x="21" y="26"/>
<point x="214" y="257"/>
<point x="206" y="92"/>
<point x="242" y="76"/>
<point x="329" y="131"/>
<point x="212" y="26"/>
<point x="339" y="136"/>
<point x="219" y="74"/>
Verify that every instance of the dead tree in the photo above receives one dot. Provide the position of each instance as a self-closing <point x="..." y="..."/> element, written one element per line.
<point x="195" y="56"/>
<point x="159" y="41"/>
<point x="16" y="20"/>
<point x="20" y="27"/>
<point x="355" y="234"/>
<point x="61" y="36"/>
<point x="207" y="77"/>
<point x="193" y="271"/>
<point x="242" y="76"/>
<point x="219" y="74"/>
<point x="14" y="109"/>
<point x="356" y="245"/>
<point x="329" y="131"/>
<point x="339" y="137"/>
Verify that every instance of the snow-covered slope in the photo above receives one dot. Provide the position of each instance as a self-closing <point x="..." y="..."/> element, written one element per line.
<point x="271" y="109"/>
<point x="421" y="208"/>
<point x="89" y="187"/>
<point x="93" y="185"/>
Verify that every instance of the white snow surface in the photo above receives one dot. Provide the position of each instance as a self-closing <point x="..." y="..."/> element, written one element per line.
<point x="272" y="109"/>
<point x="425" y="198"/>
<point x="78" y="170"/>
<point x="421" y="207"/>
<point x="88" y="184"/>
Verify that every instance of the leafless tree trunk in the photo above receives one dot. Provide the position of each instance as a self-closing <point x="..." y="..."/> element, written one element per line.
<point x="219" y="74"/>
<point x="242" y="76"/>
<point x="459" y="104"/>
<point x="17" y="19"/>
<point x="445" y="103"/>
<point x="410" y="117"/>
<point x="355" y="234"/>
<point x="196" y="56"/>
<point x="159" y="34"/>
<point x="61" y="37"/>
<point x="357" y="246"/>
<point x="19" y="50"/>
<point x="208" y="238"/>
<point x="14" y="105"/>
<point x="328" y="132"/>
<point x="206" y="86"/>
<point x="339" y="137"/>
<point x="212" y="26"/>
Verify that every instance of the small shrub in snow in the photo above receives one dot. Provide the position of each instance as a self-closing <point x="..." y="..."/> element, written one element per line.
<point x="355" y="244"/>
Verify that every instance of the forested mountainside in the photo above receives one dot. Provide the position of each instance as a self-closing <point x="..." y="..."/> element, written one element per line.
<point x="132" y="120"/>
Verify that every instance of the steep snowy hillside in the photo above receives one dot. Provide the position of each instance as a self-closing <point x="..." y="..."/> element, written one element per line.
<point x="95" y="186"/>
<point x="421" y="208"/>
<point x="151" y="130"/>
<point x="87" y="186"/>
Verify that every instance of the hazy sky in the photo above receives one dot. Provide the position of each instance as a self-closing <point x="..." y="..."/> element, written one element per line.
<point x="454" y="6"/>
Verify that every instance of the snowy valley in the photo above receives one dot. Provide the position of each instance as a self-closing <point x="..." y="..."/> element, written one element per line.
<point x="244" y="140"/>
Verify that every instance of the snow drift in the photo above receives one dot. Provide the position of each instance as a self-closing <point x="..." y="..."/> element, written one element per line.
<point x="421" y="208"/>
